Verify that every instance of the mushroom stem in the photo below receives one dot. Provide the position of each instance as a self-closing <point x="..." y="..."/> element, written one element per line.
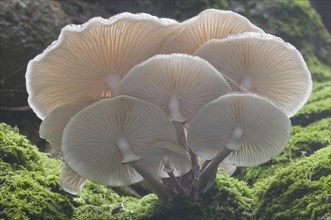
<point x="209" y="172"/>
<point x="158" y="188"/>
<point x="204" y="165"/>
<point x="195" y="163"/>
<point x="195" y="189"/>
<point x="112" y="81"/>
<point x="181" y="139"/>
<point x="127" y="190"/>
<point x="169" y="170"/>
<point x="175" y="114"/>
<point x="178" y="186"/>
<point x="127" y="153"/>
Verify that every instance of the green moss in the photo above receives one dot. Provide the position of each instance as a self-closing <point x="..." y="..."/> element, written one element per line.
<point x="29" y="181"/>
<point x="320" y="72"/>
<point x="228" y="199"/>
<point x="299" y="191"/>
<point x="29" y="187"/>
<point x="95" y="202"/>
<point x="317" y="107"/>
<point x="16" y="149"/>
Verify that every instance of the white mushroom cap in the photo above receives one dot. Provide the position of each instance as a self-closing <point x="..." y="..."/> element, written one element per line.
<point x="89" y="60"/>
<point x="227" y="168"/>
<point x="164" y="157"/>
<point x="52" y="127"/>
<point x="179" y="84"/>
<point x="262" y="64"/>
<point x="209" y="24"/>
<point x="71" y="181"/>
<point x="251" y="126"/>
<point x="100" y="139"/>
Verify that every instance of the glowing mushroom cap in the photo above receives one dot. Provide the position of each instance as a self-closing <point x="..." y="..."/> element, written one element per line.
<point x="71" y="181"/>
<point x="52" y="127"/>
<point x="227" y="169"/>
<point x="89" y="60"/>
<point x="164" y="157"/>
<point x="179" y="84"/>
<point x="209" y="24"/>
<point x="99" y="140"/>
<point x="251" y="126"/>
<point x="262" y="64"/>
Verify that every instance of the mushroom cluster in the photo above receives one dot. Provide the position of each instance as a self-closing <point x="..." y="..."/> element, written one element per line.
<point x="140" y="99"/>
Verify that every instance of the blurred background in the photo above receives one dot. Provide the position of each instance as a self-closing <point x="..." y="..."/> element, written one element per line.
<point x="27" y="27"/>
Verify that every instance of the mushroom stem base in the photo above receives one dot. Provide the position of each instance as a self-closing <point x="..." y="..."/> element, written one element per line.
<point x="157" y="187"/>
<point x="208" y="175"/>
<point x="178" y="186"/>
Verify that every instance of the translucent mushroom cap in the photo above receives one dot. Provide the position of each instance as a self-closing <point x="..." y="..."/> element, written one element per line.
<point x="251" y="126"/>
<point x="164" y="157"/>
<point x="71" y="181"/>
<point x="53" y="125"/>
<point x="89" y="60"/>
<point x="100" y="140"/>
<point x="227" y="169"/>
<point x="262" y="64"/>
<point x="179" y="84"/>
<point x="209" y="24"/>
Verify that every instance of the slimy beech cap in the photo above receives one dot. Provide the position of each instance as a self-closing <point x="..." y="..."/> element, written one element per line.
<point x="262" y="64"/>
<point x="179" y="84"/>
<point x="101" y="140"/>
<point x="209" y="24"/>
<point x="89" y="60"/>
<point x="252" y="127"/>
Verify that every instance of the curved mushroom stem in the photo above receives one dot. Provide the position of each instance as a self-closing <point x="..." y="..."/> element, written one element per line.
<point x="129" y="157"/>
<point x="204" y="165"/>
<point x="181" y="139"/>
<point x="208" y="174"/>
<point x="178" y="186"/>
<point x="169" y="170"/>
<point x="195" y="163"/>
<point x="175" y="114"/>
<point x="158" y="188"/>
<point x="127" y="153"/>
<point x="195" y="194"/>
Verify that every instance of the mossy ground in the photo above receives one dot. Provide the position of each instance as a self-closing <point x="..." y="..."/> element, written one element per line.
<point x="301" y="190"/>
<point x="29" y="185"/>
<point x="30" y="190"/>
<point x="293" y="185"/>
<point x="292" y="188"/>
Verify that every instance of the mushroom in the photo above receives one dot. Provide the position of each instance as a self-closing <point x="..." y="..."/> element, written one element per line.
<point x="166" y="160"/>
<point x="71" y="181"/>
<point x="53" y="125"/>
<point x="52" y="128"/>
<point x="89" y="60"/>
<point x="104" y="141"/>
<point x="209" y="24"/>
<point x="179" y="84"/>
<point x="238" y="129"/>
<point x="262" y="64"/>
